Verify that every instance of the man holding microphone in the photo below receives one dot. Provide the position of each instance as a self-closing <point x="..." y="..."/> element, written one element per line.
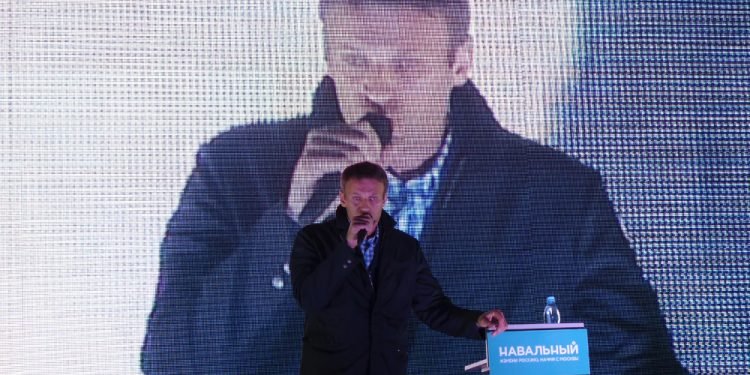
<point x="357" y="277"/>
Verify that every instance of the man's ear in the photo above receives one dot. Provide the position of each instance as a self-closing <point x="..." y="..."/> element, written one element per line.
<point x="342" y="199"/>
<point x="463" y="60"/>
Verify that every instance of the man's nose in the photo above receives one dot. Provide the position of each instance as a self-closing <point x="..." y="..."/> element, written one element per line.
<point x="365" y="207"/>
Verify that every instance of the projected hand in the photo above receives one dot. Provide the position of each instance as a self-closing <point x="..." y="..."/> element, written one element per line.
<point x="327" y="151"/>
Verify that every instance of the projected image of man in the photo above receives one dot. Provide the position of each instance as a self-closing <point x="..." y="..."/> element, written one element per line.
<point x="503" y="221"/>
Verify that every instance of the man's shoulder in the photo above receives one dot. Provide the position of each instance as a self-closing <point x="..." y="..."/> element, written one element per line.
<point x="318" y="227"/>
<point x="402" y="237"/>
<point x="324" y="228"/>
<point x="538" y="162"/>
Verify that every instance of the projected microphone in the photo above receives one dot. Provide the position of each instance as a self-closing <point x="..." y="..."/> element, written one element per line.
<point x="325" y="192"/>
<point x="382" y="125"/>
<point x="327" y="187"/>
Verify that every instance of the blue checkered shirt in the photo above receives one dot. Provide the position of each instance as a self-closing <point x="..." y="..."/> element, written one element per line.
<point x="410" y="201"/>
<point x="368" y="248"/>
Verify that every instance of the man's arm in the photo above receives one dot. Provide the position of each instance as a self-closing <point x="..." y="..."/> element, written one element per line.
<point x="627" y="333"/>
<point x="318" y="274"/>
<point x="199" y="235"/>
<point x="436" y="310"/>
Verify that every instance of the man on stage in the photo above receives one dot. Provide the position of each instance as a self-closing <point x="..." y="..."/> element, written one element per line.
<point x="357" y="278"/>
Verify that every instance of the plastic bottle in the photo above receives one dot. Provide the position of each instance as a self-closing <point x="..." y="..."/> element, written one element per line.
<point x="551" y="313"/>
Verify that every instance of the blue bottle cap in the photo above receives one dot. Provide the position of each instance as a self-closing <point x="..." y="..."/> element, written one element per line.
<point x="550" y="300"/>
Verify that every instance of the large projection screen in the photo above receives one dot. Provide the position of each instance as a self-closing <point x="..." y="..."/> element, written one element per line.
<point x="104" y="105"/>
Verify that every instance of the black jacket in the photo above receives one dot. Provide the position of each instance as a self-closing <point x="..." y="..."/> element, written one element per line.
<point x="353" y="325"/>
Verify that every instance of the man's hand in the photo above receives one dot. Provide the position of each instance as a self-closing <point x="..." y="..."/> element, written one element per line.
<point x="357" y="224"/>
<point x="493" y="320"/>
<point x="329" y="149"/>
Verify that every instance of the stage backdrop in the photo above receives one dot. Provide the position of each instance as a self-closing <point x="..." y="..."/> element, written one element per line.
<point x="103" y="105"/>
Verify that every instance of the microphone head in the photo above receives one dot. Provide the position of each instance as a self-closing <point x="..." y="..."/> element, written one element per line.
<point x="382" y="126"/>
<point x="361" y="235"/>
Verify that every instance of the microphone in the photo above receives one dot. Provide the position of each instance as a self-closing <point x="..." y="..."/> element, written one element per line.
<point x="327" y="187"/>
<point x="382" y="126"/>
<point x="361" y="236"/>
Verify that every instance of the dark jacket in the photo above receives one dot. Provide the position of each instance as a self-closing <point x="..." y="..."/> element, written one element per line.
<point x="512" y="223"/>
<point x="355" y="326"/>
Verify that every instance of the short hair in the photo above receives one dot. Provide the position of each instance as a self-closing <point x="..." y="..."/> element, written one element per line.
<point x="362" y="170"/>
<point x="456" y="12"/>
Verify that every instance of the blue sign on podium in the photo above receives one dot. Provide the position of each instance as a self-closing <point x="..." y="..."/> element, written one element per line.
<point x="530" y="349"/>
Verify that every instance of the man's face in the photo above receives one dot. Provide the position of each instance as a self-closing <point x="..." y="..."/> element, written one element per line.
<point x="364" y="196"/>
<point x="394" y="60"/>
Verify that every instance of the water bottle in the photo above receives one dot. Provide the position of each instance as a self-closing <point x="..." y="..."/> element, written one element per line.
<point x="551" y="313"/>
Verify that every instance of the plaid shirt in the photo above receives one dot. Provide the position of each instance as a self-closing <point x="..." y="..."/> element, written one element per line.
<point x="368" y="248"/>
<point x="410" y="201"/>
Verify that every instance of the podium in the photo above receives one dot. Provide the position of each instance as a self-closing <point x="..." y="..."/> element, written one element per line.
<point x="531" y="349"/>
